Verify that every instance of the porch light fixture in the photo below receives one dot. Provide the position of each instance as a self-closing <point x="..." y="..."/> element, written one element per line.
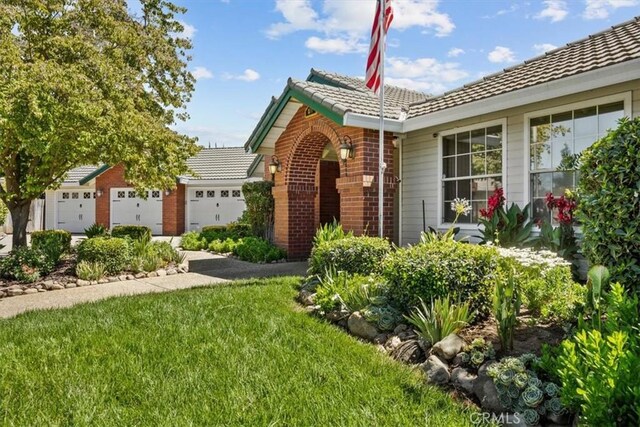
<point x="274" y="166"/>
<point x="346" y="149"/>
<point x="167" y="192"/>
<point x="99" y="192"/>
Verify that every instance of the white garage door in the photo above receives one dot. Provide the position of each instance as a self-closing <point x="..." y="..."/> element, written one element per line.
<point x="129" y="209"/>
<point x="76" y="210"/>
<point x="214" y="206"/>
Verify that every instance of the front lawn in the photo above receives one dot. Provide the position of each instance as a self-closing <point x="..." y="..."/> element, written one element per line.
<point x="241" y="354"/>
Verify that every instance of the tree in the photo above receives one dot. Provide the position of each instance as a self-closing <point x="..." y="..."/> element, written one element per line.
<point x="89" y="82"/>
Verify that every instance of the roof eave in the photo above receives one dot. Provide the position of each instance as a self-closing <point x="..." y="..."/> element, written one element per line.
<point x="102" y="169"/>
<point x="372" y="122"/>
<point x="254" y="165"/>
<point x="601" y="77"/>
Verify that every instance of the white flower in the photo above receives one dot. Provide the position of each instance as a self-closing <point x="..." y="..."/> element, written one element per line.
<point x="461" y="206"/>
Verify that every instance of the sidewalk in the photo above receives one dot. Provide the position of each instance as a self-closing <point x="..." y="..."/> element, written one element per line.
<point x="10" y="307"/>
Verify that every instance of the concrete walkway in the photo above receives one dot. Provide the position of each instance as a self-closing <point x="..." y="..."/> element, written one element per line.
<point x="205" y="270"/>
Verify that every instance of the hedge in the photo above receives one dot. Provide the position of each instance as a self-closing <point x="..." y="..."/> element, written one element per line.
<point x="53" y="243"/>
<point x="135" y="232"/>
<point x="113" y="252"/>
<point x="354" y="255"/>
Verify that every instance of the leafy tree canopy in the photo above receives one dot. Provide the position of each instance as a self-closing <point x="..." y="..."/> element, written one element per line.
<point x="90" y="82"/>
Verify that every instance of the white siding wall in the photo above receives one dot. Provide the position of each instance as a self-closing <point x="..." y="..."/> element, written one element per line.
<point x="50" y="210"/>
<point x="420" y="158"/>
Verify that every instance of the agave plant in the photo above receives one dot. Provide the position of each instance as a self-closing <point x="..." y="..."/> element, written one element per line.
<point x="440" y="319"/>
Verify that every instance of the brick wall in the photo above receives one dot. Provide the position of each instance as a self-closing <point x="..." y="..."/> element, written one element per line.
<point x="296" y="192"/>
<point x="173" y="205"/>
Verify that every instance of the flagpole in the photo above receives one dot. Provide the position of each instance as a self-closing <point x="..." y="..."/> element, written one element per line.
<point x="381" y="165"/>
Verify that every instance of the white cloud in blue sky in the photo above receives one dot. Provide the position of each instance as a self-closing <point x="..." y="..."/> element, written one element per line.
<point x="501" y="54"/>
<point x="555" y="10"/>
<point x="601" y="9"/>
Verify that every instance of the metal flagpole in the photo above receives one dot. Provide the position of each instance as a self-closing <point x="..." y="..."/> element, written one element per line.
<point x="381" y="164"/>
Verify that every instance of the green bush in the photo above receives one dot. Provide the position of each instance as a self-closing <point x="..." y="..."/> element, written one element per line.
<point x="330" y="232"/>
<point x="113" y="252"/>
<point x="90" y="270"/>
<point x="238" y="230"/>
<point x="608" y="203"/>
<point x="255" y="249"/>
<point x="223" y="246"/>
<point x="354" y="255"/>
<point x="96" y="230"/>
<point x="350" y="292"/>
<point x="234" y="231"/>
<point x="191" y="241"/>
<point x="54" y="243"/>
<point x="598" y="366"/>
<point x="260" y="205"/>
<point x="25" y="265"/>
<point x="134" y="232"/>
<point x="462" y="271"/>
<point x="165" y="251"/>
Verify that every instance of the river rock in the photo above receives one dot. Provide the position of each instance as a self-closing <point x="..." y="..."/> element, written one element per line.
<point x="448" y="347"/>
<point x="359" y="327"/>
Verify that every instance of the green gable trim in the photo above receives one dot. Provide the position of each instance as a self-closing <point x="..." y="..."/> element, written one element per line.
<point x="102" y="169"/>
<point x="254" y="165"/>
<point x="269" y="119"/>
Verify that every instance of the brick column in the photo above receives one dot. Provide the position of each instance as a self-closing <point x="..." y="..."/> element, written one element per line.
<point x="173" y="211"/>
<point x="295" y="223"/>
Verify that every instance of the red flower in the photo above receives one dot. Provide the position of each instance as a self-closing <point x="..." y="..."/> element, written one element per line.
<point x="564" y="205"/>
<point x="496" y="200"/>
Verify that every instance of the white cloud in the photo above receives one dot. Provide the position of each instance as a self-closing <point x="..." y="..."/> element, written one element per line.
<point x="543" y="47"/>
<point x="501" y="54"/>
<point x="248" y="75"/>
<point x="351" y="20"/>
<point x="424" y="74"/>
<point x="188" y="32"/>
<point x="336" y="45"/>
<point x="600" y="9"/>
<point x="201" y="73"/>
<point x="455" y="52"/>
<point x="555" y="10"/>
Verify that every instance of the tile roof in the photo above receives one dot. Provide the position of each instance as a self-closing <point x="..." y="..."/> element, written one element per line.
<point x="615" y="45"/>
<point x="221" y="163"/>
<point x="76" y="174"/>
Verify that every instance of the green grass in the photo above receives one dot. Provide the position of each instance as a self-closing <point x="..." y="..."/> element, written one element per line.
<point x="241" y="354"/>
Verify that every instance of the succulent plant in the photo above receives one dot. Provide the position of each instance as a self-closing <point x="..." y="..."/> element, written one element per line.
<point x="521" y="380"/>
<point x="506" y="376"/>
<point x="513" y="391"/>
<point x="464" y="357"/>
<point x="477" y="358"/>
<point x="528" y="358"/>
<point x="555" y="406"/>
<point x="534" y="381"/>
<point x="532" y="396"/>
<point x="551" y="389"/>
<point x="541" y="409"/>
<point x="505" y="400"/>
<point x="531" y="417"/>
<point x="479" y="351"/>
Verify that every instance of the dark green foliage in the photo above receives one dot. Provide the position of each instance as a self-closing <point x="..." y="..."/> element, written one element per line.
<point x="598" y="367"/>
<point x="329" y="232"/>
<point x="506" y="307"/>
<point x="191" y="241"/>
<point x="461" y="271"/>
<point x="54" y="243"/>
<point x="609" y="207"/>
<point x="255" y="249"/>
<point x="134" y="232"/>
<point x="238" y="230"/>
<point x="233" y="231"/>
<point x="113" y="252"/>
<point x="260" y="205"/>
<point x="507" y="228"/>
<point x="96" y="230"/>
<point x="355" y="255"/>
<point x="26" y="264"/>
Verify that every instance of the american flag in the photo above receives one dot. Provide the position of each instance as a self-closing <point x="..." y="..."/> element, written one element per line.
<point x="373" y="77"/>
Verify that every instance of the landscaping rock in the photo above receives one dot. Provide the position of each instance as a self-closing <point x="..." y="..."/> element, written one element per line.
<point x="70" y="285"/>
<point x="152" y="274"/>
<point x="113" y="279"/>
<point x="560" y="419"/>
<point x="48" y="284"/>
<point x="407" y="335"/>
<point x="139" y="275"/>
<point x="103" y="281"/>
<point x="15" y="291"/>
<point x="83" y="282"/>
<point x="39" y="286"/>
<point x="93" y="282"/>
<point x="400" y="328"/>
<point x="408" y="352"/>
<point x="172" y="271"/>
<point x="306" y="297"/>
<point x="359" y="327"/>
<point x="336" y="315"/>
<point x="42" y="290"/>
<point x="487" y="395"/>
<point x="30" y="291"/>
<point x="161" y="272"/>
<point x="381" y="339"/>
<point x="130" y="277"/>
<point x="56" y="287"/>
<point x="184" y="267"/>
<point x="457" y="361"/>
<point x="448" y="347"/>
<point x="392" y="343"/>
<point x="463" y="380"/>
<point x="122" y="277"/>
<point x="437" y="371"/>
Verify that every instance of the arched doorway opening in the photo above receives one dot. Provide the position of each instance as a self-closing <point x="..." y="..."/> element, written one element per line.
<point x="328" y="198"/>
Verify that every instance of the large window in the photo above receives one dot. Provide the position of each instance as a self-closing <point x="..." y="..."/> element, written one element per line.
<point x="555" y="141"/>
<point x="471" y="169"/>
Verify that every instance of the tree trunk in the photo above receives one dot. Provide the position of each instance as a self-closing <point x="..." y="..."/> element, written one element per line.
<point x="19" y="218"/>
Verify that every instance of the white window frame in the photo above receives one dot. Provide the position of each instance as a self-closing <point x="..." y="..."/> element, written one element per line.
<point x="503" y="123"/>
<point x="625" y="97"/>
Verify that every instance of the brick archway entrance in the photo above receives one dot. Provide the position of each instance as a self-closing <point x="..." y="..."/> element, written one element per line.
<point x="311" y="187"/>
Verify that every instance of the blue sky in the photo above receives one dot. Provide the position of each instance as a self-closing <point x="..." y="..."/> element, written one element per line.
<point x="244" y="50"/>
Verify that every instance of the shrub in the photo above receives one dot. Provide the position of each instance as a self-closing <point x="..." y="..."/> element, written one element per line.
<point x="462" y="271"/>
<point x="598" y="366"/>
<point x="209" y="233"/>
<point x="238" y="230"/>
<point x="90" y="270"/>
<point x="255" y="249"/>
<point x="96" y="230"/>
<point x="165" y="251"/>
<point x="504" y="227"/>
<point x="330" y="232"/>
<point x="506" y="307"/>
<point x="349" y="292"/>
<point x="4" y="211"/>
<point x="26" y="264"/>
<point x="355" y="255"/>
<point x="113" y="252"/>
<point x="223" y="247"/>
<point x="260" y="205"/>
<point x="134" y="232"/>
<point x="440" y="319"/>
<point x="608" y="203"/>
<point x="191" y="241"/>
<point x="53" y="243"/>
<point x="561" y="239"/>
<point x="151" y="262"/>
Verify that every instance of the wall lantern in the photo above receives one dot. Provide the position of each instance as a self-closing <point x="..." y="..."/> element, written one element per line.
<point x="167" y="192"/>
<point x="99" y="192"/>
<point x="346" y="149"/>
<point x="274" y="166"/>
